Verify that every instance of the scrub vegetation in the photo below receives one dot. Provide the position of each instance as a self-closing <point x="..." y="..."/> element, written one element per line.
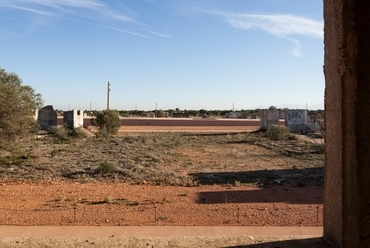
<point x="180" y="159"/>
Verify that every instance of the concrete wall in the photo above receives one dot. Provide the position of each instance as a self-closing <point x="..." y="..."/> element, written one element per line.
<point x="296" y="120"/>
<point x="74" y="118"/>
<point x="183" y="122"/>
<point x="268" y="118"/>
<point x="47" y="117"/>
<point x="187" y="122"/>
<point x="347" y="116"/>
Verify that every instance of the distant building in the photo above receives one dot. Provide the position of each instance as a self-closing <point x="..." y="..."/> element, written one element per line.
<point x="73" y="118"/>
<point x="233" y="115"/>
<point x="298" y="121"/>
<point x="47" y="117"/>
<point x="268" y="118"/>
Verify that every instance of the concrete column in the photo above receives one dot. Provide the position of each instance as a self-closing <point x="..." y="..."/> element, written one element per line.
<point x="347" y="122"/>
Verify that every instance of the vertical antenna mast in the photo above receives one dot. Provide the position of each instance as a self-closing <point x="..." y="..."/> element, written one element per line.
<point x="108" y="95"/>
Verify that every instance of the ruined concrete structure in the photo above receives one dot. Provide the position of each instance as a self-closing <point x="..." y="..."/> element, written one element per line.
<point x="268" y="118"/>
<point x="233" y="115"/>
<point x="151" y="114"/>
<point x="73" y="118"/>
<point x="347" y="114"/>
<point x="296" y="120"/>
<point x="47" y="117"/>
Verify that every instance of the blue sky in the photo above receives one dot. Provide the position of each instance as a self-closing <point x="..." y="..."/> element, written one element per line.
<point x="186" y="54"/>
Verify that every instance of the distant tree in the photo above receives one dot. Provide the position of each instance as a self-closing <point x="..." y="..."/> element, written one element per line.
<point x="226" y="111"/>
<point x="108" y="120"/>
<point x="191" y="112"/>
<point x="18" y="105"/>
<point x="59" y="112"/>
<point x="272" y="108"/>
<point x="203" y="111"/>
<point x="160" y="113"/>
<point x="244" y="114"/>
<point x="170" y="112"/>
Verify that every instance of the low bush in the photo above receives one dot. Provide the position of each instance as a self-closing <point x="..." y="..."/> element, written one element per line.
<point x="105" y="168"/>
<point x="78" y="133"/>
<point x="61" y="133"/>
<point x="64" y="133"/>
<point x="12" y="160"/>
<point x="276" y="133"/>
<point x="108" y="119"/>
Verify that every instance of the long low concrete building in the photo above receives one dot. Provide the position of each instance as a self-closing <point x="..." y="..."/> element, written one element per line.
<point x="187" y="122"/>
<point x="131" y="121"/>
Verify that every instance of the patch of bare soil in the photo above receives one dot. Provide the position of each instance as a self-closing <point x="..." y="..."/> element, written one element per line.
<point x="74" y="203"/>
<point x="163" y="178"/>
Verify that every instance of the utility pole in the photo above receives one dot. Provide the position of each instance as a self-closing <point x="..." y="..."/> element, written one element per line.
<point x="108" y="95"/>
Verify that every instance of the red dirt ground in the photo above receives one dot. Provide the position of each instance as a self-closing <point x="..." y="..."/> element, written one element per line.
<point x="96" y="203"/>
<point x="57" y="202"/>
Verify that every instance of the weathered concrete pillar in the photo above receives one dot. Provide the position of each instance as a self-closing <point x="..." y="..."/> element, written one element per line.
<point x="347" y="121"/>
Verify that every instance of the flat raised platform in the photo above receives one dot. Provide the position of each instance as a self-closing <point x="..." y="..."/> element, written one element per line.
<point x="161" y="236"/>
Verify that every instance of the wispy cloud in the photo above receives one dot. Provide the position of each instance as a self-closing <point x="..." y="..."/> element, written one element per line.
<point x="158" y="34"/>
<point x="55" y="7"/>
<point x="283" y="26"/>
<point x="124" y="31"/>
<point x="298" y="47"/>
<point x="35" y="11"/>
<point x="55" y="3"/>
<point x="95" y="12"/>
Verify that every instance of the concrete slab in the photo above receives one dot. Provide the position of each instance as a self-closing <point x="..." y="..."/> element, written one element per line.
<point x="276" y="231"/>
<point x="156" y="231"/>
<point x="161" y="236"/>
<point x="35" y="231"/>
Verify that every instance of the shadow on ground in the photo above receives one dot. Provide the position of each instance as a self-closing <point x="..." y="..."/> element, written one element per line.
<point x="264" y="195"/>
<point x="300" y="177"/>
<point x="295" y="186"/>
<point x="301" y="243"/>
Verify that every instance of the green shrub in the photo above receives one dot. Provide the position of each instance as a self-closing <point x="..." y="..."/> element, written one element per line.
<point x="103" y="133"/>
<point x="61" y="133"/>
<point x="105" y="168"/>
<point x="130" y="139"/>
<point x="12" y="160"/>
<point x="108" y="119"/>
<point x="278" y="133"/>
<point x="18" y="103"/>
<point x="35" y="128"/>
<point x="78" y="133"/>
<point x="64" y="133"/>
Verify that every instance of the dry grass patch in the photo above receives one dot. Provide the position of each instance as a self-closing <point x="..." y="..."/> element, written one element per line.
<point x="180" y="159"/>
